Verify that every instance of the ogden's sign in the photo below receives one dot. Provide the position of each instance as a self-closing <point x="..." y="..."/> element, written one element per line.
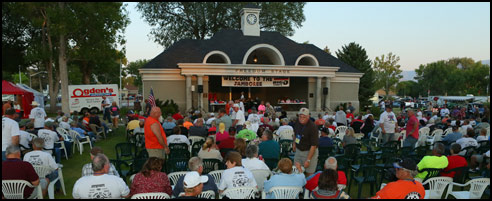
<point x="248" y="81"/>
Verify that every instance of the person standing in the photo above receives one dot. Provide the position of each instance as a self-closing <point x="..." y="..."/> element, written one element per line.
<point x="239" y="119"/>
<point x="412" y="130"/>
<point x="6" y="106"/>
<point x="350" y="107"/>
<point x="105" y="105"/>
<point x="155" y="137"/>
<point x="305" y="144"/>
<point x="341" y="117"/>
<point x="38" y="115"/>
<point x="10" y="131"/>
<point x="115" y="114"/>
<point x="388" y="124"/>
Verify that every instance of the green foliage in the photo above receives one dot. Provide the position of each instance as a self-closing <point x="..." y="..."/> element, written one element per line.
<point x="408" y="88"/>
<point x="388" y="72"/>
<point x="353" y="54"/>
<point x="445" y="78"/>
<point x="173" y="21"/>
<point x="168" y="107"/>
<point x="132" y="69"/>
<point x="376" y="111"/>
<point x="24" y="78"/>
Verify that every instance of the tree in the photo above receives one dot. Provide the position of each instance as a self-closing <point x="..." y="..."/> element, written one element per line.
<point x="387" y="72"/>
<point x="408" y="88"/>
<point x="353" y="54"/>
<point x="437" y="78"/>
<point x="173" y="21"/>
<point x="132" y="69"/>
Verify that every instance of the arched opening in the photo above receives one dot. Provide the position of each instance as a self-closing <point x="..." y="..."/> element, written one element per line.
<point x="217" y="57"/>
<point x="307" y="60"/>
<point x="263" y="54"/>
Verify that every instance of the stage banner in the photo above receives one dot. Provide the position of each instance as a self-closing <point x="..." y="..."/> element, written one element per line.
<point x="251" y="81"/>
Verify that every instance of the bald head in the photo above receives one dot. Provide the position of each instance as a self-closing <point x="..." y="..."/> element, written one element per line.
<point x="155" y="112"/>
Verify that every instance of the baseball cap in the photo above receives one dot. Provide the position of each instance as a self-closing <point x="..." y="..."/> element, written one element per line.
<point x="24" y="122"/>
<point x="193" y="179"/>
<point x="48" y="124"/>
<point x="235" y="105"/>
<point x="406" y="163"/>
<point x="303" y="111"/>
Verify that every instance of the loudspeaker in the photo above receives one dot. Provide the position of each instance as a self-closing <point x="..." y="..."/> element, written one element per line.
<point x="325" y="91"/>
<point x="200" y="88"/>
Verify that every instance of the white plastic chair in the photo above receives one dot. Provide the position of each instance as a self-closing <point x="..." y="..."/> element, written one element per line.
<point x="174" y="176"/>
<point x="435" y="136"/>
<point x="340" y="132"/>
<point x="151" y="196"/>
<point x="131" y="178"/>
<point x="14" y="189"/>
<point x="43" y="171"/>
<point x="261" y="176"/>
<point x="210" y="194"/>
<point x="75" y="135"/>
<point x="378" y="138"/>
<point x="240" y="193"/>
<point x="477" y="187"/>
<point x="403" y="133"/>
<point x="217" y="175"/>
<point x="64" y="133"/>
<point x="437" y="185"/>
<point x="423" y="132"/>
<point x="447" y="131"/>
<point x="283" y="192"/>
<point x="286" y="134"/>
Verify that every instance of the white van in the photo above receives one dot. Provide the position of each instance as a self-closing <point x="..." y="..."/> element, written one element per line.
<point x="83" y="98"/>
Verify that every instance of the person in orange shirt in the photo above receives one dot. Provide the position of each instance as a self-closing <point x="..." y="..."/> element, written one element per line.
<point x="320" y="121"/>
<point x="406" y="187"/>
<point x="155" y="137"/>
<point x="187" y="123"/>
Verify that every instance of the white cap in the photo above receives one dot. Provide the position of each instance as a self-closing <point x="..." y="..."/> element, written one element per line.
<point x="193" y="179"/>
<point x="34" y="103"/>
<point x="235" y="105"/>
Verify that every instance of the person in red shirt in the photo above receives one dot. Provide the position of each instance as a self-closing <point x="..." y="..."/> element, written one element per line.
<point x="412" y="130"/>
<point x="454" y="161"/>
<point x="177" y="116"/>
<point x="228" y="143"/>
<point x="406" y="187"/>
<point x="350" y="116"/>
<point x="330" y="163"/>
<point x="15" y="169"/>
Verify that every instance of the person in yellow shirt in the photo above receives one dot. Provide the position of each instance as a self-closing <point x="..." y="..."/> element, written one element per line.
<point x="436" y="160"/>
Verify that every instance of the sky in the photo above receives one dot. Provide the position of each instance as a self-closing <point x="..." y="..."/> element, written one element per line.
<point x="418" y="32"/>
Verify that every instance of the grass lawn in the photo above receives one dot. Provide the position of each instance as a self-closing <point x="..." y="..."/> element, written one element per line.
<point x="72" y="168"/>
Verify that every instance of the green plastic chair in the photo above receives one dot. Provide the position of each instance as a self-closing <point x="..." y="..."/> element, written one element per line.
<point x="176" y="164"/>
<point x="369" y="175"/>
<point x="285" y="147"/>
<point x="126" y="152"/>
<point x="122" y="167"/>
<point x="210" y="165"/>
<point x="179" y="150"/>
<point x="195" y="148"/>
<point x="271" y="162"/>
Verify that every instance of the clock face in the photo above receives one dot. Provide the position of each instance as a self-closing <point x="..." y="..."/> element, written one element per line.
<point x="251" y="18"/>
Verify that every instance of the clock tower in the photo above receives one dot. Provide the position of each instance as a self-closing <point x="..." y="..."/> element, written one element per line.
<point x="250" y="17"/>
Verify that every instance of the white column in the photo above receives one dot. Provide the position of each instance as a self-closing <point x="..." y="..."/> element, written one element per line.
<point x="318" y="94"/>
<point x="188" y="92"/>
<point x="200" y="95"/>
<point x="327" y="98"/>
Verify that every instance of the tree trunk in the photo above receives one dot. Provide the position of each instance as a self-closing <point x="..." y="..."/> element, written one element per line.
<point x="62" y="61"/>
<point x="53" y="89"/>
<point x="86" y="72"/>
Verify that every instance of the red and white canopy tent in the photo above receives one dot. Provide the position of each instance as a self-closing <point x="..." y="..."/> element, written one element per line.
<point x="26" y="96"/>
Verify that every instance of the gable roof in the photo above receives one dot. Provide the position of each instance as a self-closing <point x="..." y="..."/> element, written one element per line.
<point x="235" y="45"/>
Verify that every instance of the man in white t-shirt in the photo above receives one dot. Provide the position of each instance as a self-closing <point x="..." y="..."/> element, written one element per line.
<point x="388" y="124"/>
<point x="285" y="131"/>
<point x="419" y="114"/>
<point x="25" y="137"/>
<point x="177" y="138"/>
<point x="444" y="111"/>
<point x="64" y="123"/>
<point x="251" y="162"/>
<point x="467" y="141"/>
<point x="39" y="157"/>
<point x="235" y="175"/>
<point x="50" y="137"/>
<point x="100" y="185"/>
<point x="239" y="119"/>
<point x="38" y="115"/>
<point x="210" y="119"/>
<point x="10" y="131"/>
<point x="106" y="104"/>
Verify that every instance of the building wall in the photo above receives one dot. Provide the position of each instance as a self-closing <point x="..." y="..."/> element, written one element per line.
<point x="167" y="89"/>
<point x="343" y="93"/>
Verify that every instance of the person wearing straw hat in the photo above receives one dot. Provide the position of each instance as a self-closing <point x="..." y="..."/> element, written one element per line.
<point x="37" y="116"/>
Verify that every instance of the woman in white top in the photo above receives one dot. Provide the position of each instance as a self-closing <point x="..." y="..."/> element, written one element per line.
<point x="251" y="162"/>
<point x="209" y="150"/>
<point x="236" y="175"/>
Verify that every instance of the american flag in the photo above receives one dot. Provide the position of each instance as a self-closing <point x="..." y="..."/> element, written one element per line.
<point x="152" y="98"/>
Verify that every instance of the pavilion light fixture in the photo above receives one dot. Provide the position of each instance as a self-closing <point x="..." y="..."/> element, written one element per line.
<point x="255" y="58"/>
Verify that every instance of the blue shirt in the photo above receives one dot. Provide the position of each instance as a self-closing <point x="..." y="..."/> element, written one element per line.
<point x="168" y="125"/>
<point x="80" y="131"/>
<point x="452" y="137"/>
<point x="269" y="149"/>
<point x="325" y="142"/>
<point x="209" y="185"/>
<point x="283" y="179"/>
